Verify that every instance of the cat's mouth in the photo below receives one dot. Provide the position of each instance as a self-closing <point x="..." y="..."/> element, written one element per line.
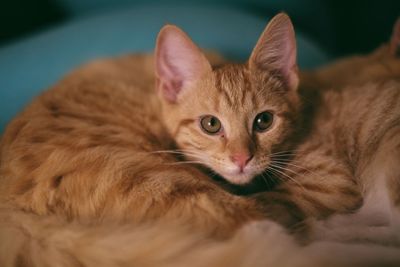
<point x="237" y="175"/>
<point x="232" y="173"/>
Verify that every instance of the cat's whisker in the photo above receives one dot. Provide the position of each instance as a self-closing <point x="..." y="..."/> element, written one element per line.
<point x="279" y="174"/>
<point x="193" y="143"/>
<point x="266" y="180"/>
<point x="292" y="159"/>
<point x="170" y="151"/>
<point x="198" y="157"/>
<point x="194" y="154"/>
<point x="287" y="157"/>
<point x="273" y="167"/>
<point x="289" y="152"/>
<point x="213" y="173"/>
<point x="289" y="170"/>
<point x="167" y="152"/>
<point x="178" y="152"/>
<point x="275" y="174"/>
<point x="293" y="164"/>
<point x="290" y="163"/>
<point x="284" y="154"/>
<point x="285" y="151"/>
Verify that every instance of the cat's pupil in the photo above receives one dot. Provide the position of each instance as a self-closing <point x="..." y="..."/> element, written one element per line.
<point x="263" y="121"/>
<point x="210" y="124"/>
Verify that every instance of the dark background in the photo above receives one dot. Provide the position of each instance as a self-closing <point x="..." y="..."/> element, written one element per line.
<point x="356" y="26"/>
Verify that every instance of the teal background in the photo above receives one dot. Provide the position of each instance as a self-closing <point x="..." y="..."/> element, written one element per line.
<point x="41" y="40"/>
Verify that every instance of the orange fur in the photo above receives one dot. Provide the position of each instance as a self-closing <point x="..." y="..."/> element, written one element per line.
<point x="354" y="113"/>
<point x="93" y="147"/>
<point x="85" y="149"/>
<point x="99" y="149"/>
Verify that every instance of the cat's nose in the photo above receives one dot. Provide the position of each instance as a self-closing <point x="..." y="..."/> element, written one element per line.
<point x="241" y="159"/>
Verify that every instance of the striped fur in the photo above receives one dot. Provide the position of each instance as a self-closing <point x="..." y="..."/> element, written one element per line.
<point x="354" y="132"/>
<point x="89" y="171"/>
<point x="89" y="149"/>
<point x="100" y="144"/>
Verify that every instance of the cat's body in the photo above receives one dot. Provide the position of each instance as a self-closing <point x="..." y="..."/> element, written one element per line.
<point x="91" y="150"/>
<point x="330" y="172"/>
<point x="98" y="145"/>
<point x="354" y="113"/>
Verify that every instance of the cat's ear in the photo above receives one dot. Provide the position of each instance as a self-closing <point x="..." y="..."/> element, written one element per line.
<point x="178" y="62"/>
<point x="394" y="46"/>
<point x="276" y="52"/>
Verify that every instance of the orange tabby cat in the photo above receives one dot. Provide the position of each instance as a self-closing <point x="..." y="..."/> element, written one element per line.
<point x="92" y="149"/>
<point x="354" y="139"/>
<point x="98" y="145"/>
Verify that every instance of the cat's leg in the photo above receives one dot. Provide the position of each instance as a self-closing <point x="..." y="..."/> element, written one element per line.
<point x="317" y="185"/>
<point x="351" y="228"/>
<point x="378" y="220"/>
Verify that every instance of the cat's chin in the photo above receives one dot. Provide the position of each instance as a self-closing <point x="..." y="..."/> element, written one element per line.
<point x="239" y="178"/>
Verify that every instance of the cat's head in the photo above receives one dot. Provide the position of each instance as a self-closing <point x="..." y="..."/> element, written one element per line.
<point x="233" y="117"/>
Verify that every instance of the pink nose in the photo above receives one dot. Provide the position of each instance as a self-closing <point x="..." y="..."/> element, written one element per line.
<point x="241" y="159"/>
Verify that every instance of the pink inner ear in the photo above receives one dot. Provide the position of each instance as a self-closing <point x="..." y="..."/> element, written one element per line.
<point x="275" y="51"/>
<point x="286" y="58"/>
<point x="170" y="90"/>
<point x="178" y="62"/>
<point x="170" y="82"/>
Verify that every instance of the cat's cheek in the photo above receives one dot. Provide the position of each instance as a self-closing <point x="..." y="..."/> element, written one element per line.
<point x="272" y="139"/>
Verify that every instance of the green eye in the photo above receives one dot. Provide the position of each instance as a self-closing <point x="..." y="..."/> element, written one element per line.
<point x="210" y="124"/>
<point x="263" y="121"/>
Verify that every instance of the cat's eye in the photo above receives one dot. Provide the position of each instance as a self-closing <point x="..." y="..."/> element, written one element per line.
<point x="263" y="121"/>
<point x="210" y="124"/>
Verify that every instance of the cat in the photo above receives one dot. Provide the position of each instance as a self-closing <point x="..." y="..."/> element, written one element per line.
<point x="101" y="144"/>
<point x="353" y="139"/>
<point x="39" y="158"/>
<point x="45" y="241"/>
<point x="98" y="152"/>
<point x="378" y="219"/>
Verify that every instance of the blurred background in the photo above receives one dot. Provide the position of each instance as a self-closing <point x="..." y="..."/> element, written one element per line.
<point x="41" y="40"/>
<point x="342" y="27"/>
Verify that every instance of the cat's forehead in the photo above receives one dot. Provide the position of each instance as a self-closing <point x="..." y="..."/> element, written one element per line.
<point x="232" y="83"/>
<point x="240" y="89"/>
